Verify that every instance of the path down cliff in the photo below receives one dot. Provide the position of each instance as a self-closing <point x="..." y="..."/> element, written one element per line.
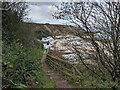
<point x="57" y="78"/>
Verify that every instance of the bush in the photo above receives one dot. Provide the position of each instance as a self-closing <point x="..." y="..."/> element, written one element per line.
<point x="21" y="67"/>
<point x="88" y="81"/>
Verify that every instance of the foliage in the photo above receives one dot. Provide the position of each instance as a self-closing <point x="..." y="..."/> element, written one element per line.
<point x="21" y="52"/>
<point x="100" y="22"/>
<point x="86" y="80"/>
<point x="21" y="64"/>
<point x="13" y="27"/>
<point x="22" y="68"/>
<point x="42" y="33"/>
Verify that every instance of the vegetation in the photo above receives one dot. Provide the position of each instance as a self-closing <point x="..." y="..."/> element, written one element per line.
<point x="55" y="53"/>
<point x="103" y="18"/>
<point x="78" y="74"/>
<point x="21" y="66"/>
<point x="55" y="29"/>
<point x="42" y="33"/>
<point x="22" y="52"/>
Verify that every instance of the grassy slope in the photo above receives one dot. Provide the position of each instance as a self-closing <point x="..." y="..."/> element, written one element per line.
<point x="22" y="61"/>
<point x="55" y="28"/>
<point x="46" y="81"/>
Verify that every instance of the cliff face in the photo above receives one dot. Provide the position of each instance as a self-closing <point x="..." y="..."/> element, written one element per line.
<point x="52" y="29"/>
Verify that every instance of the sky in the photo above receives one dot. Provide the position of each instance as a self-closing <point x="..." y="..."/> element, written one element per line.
<point x="41" y="12"/>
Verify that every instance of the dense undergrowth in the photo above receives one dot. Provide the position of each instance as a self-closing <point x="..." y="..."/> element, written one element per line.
<point x="22" y="67"/>
<point x="86" y="79"/>
<point x="21" y="52"/>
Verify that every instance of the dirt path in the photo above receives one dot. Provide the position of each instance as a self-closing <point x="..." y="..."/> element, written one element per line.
<point x="57" y="78"/>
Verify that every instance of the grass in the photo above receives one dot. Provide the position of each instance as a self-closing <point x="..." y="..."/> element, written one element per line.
<point x="87" y="79"/>
<point x="22" y="67"/>
<point x="47" y="82"/>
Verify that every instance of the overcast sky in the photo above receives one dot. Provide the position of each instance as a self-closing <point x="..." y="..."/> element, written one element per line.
<point x="41" y="12"/>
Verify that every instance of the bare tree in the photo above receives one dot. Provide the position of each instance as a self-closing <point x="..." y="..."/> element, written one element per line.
<point x="100" y="22"/>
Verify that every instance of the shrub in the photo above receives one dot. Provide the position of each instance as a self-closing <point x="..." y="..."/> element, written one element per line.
<point x="21" y="66"/>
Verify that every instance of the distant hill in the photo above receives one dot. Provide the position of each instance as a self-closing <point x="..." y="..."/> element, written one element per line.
<point x="43" y="30"/>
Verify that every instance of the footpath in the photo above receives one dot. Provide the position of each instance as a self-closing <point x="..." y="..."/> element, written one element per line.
<point x="54" y="76"/>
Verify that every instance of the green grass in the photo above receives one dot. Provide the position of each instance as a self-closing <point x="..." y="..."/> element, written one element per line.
<point x="47" y="82"/>
<point x="89" y="80"/>
<point x="22" y="67"/>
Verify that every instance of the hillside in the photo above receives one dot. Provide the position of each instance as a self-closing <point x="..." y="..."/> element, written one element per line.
<point x="43" y="30"/>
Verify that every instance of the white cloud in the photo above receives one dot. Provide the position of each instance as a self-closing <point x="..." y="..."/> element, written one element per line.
<point x="42" y="13"/>
<point x="35" y="11"/>
<point x="52" y="9"/>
